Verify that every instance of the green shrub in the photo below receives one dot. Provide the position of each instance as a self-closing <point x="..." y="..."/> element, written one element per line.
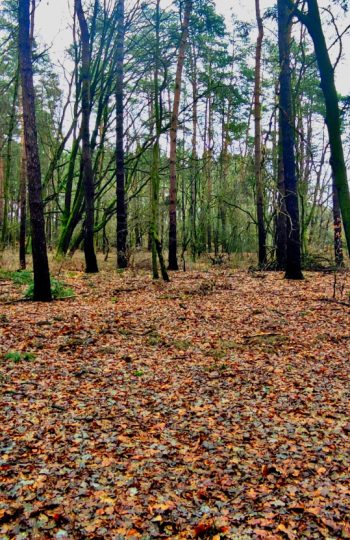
<point x="25" y="277"/>
<point x="15" y="356"/>
<point x="58" y="290"/>
<point x="20" y="277"/>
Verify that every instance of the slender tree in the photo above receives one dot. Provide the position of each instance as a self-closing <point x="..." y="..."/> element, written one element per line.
<point x="122" y="230"/>
<point x="2" y="194"/>
<point x="293" y="262"/>
<point x="22" y="195"/>
<point x="194" y="153"/>
<point x="337" y="224"/>
<point x="258" y="153"/>
<point x="155" y="176"/>
<point x="8" y="161"/>
<point x="86" y="164"/>
<point x="312" y="21"/>
<point x="42" y="286"/>
<point x="281" y="216"/>
<point x="173" y="264"/>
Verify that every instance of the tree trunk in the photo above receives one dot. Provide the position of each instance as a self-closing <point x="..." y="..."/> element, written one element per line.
<point x="2" y="191"/>
<point x="281" y="218"/>
<point x="22" y="195"/>
<point x="122" y="230"/>
<point x="71" y="223"/>
<point x="258" y="153"/>
<point x="208" y="153"/>
<point x="312" y="21"/>
<point x="338" y="245"/>
<point x="173" y="264"/>
<point x="87" y="171"/>
<point x="42" y="286"/>
<point x="155" y="177"/>
<point x="293" y="262"/>
<point x="8" y="163"/>
<point x="194" y="156"/>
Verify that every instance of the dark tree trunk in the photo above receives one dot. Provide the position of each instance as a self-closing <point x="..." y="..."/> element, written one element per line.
<point x="87" y="170"/>
<point x="258" y="154"/>
<point x="312" y="21"/>
<point x="293" y="262"/>
<point x="71" y="215"/>
<point x="122" y="230"/>
<point x="22" y="198"/>
<point x="281" y="218"/>
<point x="338" y="245"/>
<point x="155" y="177"/>
<point x="8" y="165"/>
<point x="2" y="192"/>
<point x="194" y="156"/>
<point x="173" y="264"/>
<point x="42" y="286"/>
<point x="73" y="220"/>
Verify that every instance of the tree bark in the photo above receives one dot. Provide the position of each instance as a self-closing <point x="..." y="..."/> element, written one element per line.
<point x="208" y="133"/>
<point x="312" y="21"/>
<point x="122" y="230"/>
<point x="293" y="262"/>
<point x="2" y="191"/>
<point x="22" y="195"/>
<point x="8" y="162"/>
<point x="258" y="153"/>
<point x="87" y="170"/>
<point x="42" y="286"/>
<point x="194" y="155"/>
<point x="281" y="218"/>
<point x="337" y="224"/>
<point x="155" y="177"/>
<point x="173" y="264"/>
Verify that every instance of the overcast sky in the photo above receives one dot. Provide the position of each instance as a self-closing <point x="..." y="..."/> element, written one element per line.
<point x="53" y="15"/>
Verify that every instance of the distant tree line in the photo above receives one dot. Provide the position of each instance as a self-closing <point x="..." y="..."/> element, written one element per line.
<point x="169" y="131"/>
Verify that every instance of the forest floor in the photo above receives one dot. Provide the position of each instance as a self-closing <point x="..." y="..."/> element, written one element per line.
<point x="215" y="406"/>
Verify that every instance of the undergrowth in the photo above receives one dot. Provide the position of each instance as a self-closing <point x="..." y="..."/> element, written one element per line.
<point x="15" y="356"/>
<point x="58" y="290"/>
<point x="25" y="277"/>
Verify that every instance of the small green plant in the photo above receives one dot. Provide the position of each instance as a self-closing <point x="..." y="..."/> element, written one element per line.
<point x="138" y="373"/>
<point x="15" y="356"/>
<point x="20" y="277"/>
<point x="124" y="331"/>
<point x="181" y="344"/>
<point x="58" y="290"/>
<point x="155" y="339"/>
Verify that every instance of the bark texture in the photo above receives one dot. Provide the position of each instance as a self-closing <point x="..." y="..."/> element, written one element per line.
<point x="122" y="230"/>
<point x="87" y="170"/>
<point x="22" y="196"/>
<point x="258" y="153"/>
<point x="42" y="286"/>
<point x="313" y="23"/>
<point x="293" y="262"/>
<point x="281" y="217"/>
<point x="173" y="264"/>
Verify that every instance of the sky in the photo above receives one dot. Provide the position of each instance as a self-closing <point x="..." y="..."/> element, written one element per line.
<point x="53" y="16"/>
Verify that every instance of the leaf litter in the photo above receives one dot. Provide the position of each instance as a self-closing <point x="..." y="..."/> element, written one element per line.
<point x="216" y="406"/>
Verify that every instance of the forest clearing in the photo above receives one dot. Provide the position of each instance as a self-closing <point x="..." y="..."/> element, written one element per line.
<point x="213" y="406"/>
<point x="174" y="269"/>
